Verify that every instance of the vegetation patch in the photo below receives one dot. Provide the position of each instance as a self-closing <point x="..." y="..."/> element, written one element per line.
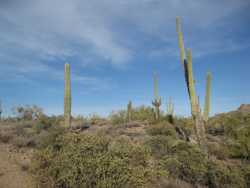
<point x="95" y="161"/>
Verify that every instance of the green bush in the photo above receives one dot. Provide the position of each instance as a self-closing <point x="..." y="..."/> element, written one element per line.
<point x="95" y="161"/>
<point x="160" y="145"/>
<point x="24" y="141"/>
<point x="235" y="127"/>
<point x="223" y="175"/>
<point x="186" y="162"/>
<point x="162" y="128"/>
<point x="141" y="113"/>
<point x="118" y="117"/>
<point x="246" y="171"/>
<point x="220" y="150"/>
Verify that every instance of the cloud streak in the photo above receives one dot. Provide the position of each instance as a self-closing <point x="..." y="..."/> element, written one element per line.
<point x="62" y="29"/>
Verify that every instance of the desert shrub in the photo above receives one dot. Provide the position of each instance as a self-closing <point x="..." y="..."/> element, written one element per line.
<point x="235" y="128"/>
<point x="223" y="175"/>
<point x="94" y="161"/>
<point x="5" y="137"/>
<point x="220" y="150"/>
<point x="243" y="139"/>
<point x="228" y="124"/>
<point x="186" y="162"/>
<point x="162" y="128"/>
<point x="48" y="137"/>
<point x="160" y="145"/>
<point x="19" y="128"/>
<point x="171" y="183"/>
<point x="118" y="117"/>
<point x="44" y="123"/>
<point x="141" y="113"/>
<point x="24" y="141"/>
<point x="246" y="171"/>
<point x="32" y="138"/>
<point x="28" y="112"/>
<point x="239" y="144"/>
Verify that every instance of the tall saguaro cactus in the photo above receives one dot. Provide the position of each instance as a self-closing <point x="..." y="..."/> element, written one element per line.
<point x="129" y="111"/>
<point x="208" y="97"/>
<point x="170" y="111"/>
<point x="189" y="78"/>
<point x="157" y="100"/>
<point x="67" y="96"/>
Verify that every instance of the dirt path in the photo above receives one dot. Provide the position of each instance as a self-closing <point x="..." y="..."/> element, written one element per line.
<point x="13" y="168"/>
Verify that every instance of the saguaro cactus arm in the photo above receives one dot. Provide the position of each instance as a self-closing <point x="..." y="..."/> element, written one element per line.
<point x="180" y="40"/>
<point x="67" y="96"/>
<point x="208" y="97"/>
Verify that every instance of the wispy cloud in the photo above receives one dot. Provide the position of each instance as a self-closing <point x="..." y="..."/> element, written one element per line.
<point x="61" y="29"/>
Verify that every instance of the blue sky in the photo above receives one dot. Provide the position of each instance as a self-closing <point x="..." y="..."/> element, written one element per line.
<point x="114" y="46"/>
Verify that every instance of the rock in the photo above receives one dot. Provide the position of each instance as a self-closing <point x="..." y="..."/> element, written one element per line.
<point x="244" y="108"/>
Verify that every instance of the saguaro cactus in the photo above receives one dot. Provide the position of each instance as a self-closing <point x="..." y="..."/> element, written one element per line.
<point x="157" y="100"/>
<point x="191" y="86"/>
<point x="207" y="98"/>
<point x="67" y="96"/>
<point x="170" y="107"/>
<point x="170" y="111"/>
<point x="188" y="71"/>
<point x="1" y="110"/>
<point x="129" y="111"/>
<point x="180" y="40"/>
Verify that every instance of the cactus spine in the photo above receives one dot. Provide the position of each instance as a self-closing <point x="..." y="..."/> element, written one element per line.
<point x="67" y="96"/>
<point x="157" y="100"/>
<point x="194" y="101"/>
<point x="208" y="97"/>
<point x="129" y="111"/>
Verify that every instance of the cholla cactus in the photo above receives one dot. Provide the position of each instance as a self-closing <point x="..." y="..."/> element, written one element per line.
<point x="67" y="96"/>
<point x="129" y="111"/>
<point x="157" y="100"/>
<point x="208" y="97"/>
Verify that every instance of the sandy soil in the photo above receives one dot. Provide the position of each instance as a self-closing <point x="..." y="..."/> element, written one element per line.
<point x="13" y="168"/>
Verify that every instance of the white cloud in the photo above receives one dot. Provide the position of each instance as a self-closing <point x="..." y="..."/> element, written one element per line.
<point x="42" y="30"/>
